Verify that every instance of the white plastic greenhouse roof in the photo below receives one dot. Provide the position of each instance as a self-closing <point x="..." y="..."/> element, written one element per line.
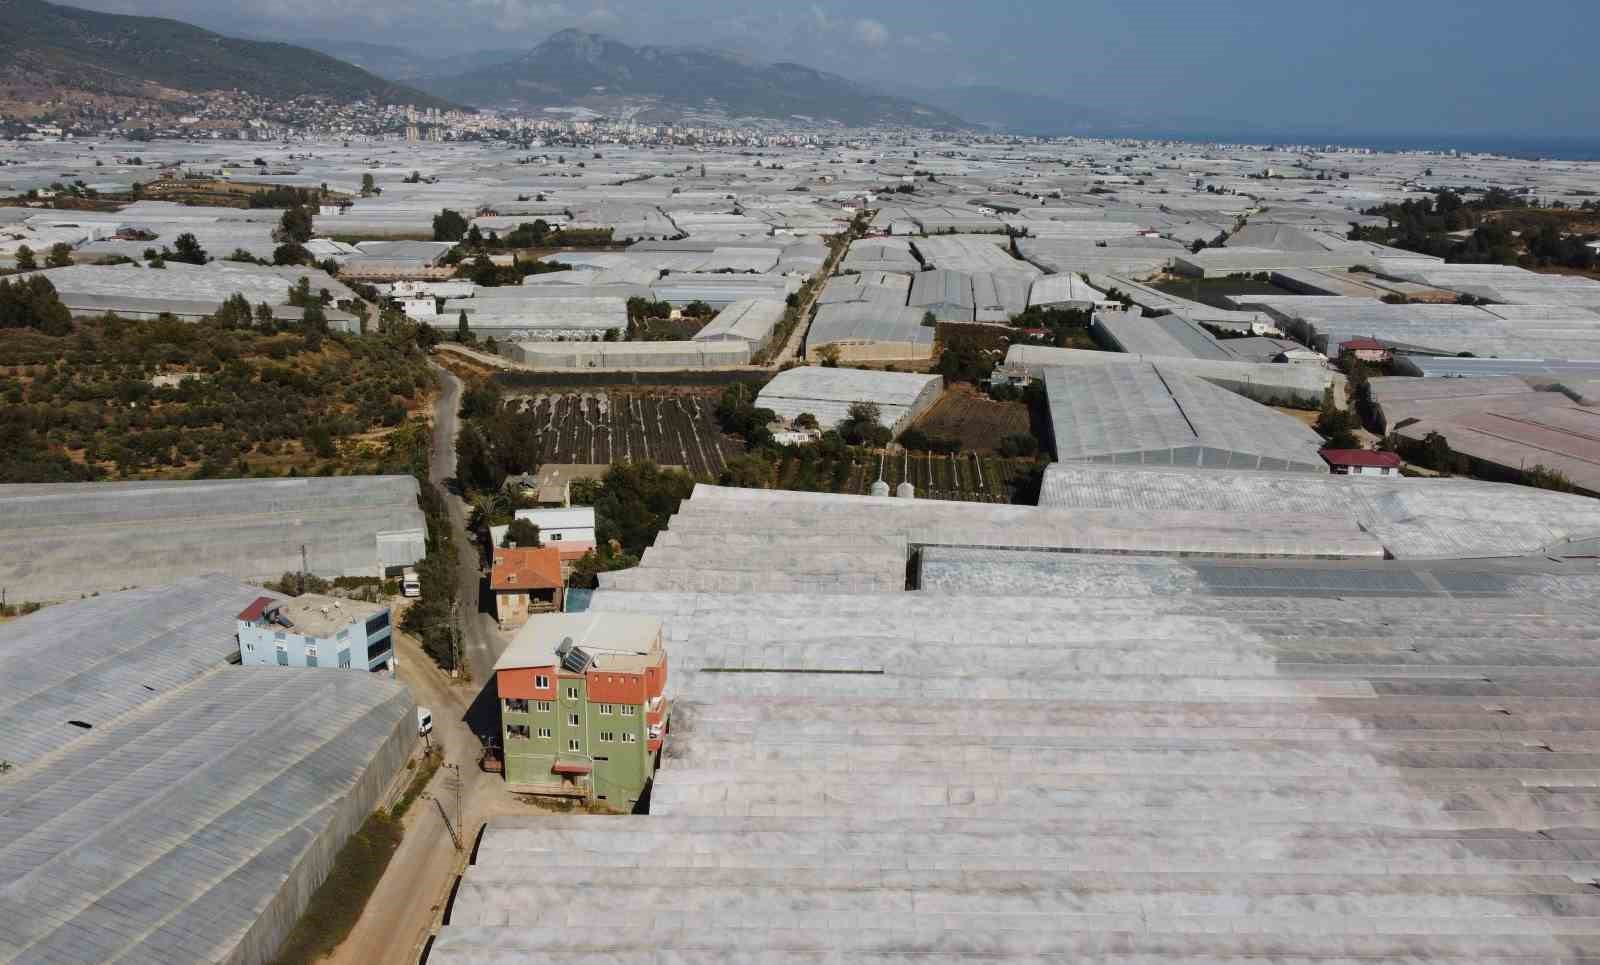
<point x="847" y="385"/>
<point x="1412" y="518"/>
<point x="96" y="659"/>
<point x="191" y="828"/>
<point x="1227" y="772"/>
<point x="65" y="540"/>
<point x="1140" y="414"/>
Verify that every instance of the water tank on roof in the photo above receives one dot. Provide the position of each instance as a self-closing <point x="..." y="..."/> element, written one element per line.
<point x="906" y="491"/>
<point x="880" y="488"/>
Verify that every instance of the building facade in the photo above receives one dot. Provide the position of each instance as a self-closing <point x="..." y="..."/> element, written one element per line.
<point x="315" y="631"/>
<point x="1361" y="462"/>
<point x="582" y="706"/>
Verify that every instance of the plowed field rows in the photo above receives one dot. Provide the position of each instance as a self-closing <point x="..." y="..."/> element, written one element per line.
<point x="605" y="427"/>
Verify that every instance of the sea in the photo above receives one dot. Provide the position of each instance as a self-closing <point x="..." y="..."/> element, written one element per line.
<point x="1553" y="148"/>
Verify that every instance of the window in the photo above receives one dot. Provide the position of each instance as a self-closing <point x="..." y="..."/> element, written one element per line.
<point x="543" y="683"/>
<point x="311" y="655"/>
<point x="555" y="537"/>
<point x="249" y="646"/>
<point x="628" y="738"/>
<point x="572" y="693"/>
<point x="283" y="655"/>
<point x="608" y="736"/>
<point x="279" y="635"/>
<point x="377" y="622"/>
<point x="518" y="731"/>
<point x="544" y="733"/>
<point x="344" y="634"/>
<point x="606" y="709"/>
<point x="517" y="706"/>
<point x="572" y="720"/>
<point x="628" y="710"/>
<point x="379" y="648"/>
<point x="542" y="706"/>
<point x="573" y="745"/>
<point x="344" y="658"/>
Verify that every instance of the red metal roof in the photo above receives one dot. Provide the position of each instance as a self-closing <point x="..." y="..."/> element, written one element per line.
<point x="571" y="767"/>
<point x="1361" y="457"/>
<point x="1363" y="345"/>
<point x="255" y="609"/>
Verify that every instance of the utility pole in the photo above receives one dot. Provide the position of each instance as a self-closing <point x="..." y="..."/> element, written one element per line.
<point x="453" y="781"/>
<point x="455" y="638"/>
<point x="303" y="567"/>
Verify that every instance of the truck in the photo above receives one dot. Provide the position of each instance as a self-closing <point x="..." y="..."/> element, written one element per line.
<point x="424" y="721"/>
<point x="409" y="584"/>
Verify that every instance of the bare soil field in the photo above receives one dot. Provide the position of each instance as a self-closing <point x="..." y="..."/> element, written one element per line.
<point x="599" y="426"/>
<point x="974" y="420"/>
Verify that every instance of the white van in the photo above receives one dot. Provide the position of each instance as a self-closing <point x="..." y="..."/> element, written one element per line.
<point x="424" y="721"/>
<point x="409" y="584"/>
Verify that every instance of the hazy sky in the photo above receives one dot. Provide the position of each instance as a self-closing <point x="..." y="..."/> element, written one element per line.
<point x="1369" y="66"/>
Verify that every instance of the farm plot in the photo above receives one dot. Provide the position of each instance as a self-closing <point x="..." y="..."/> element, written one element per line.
<point x="602" y="427"/>
<point x="974" y="421"/>
<point x="962" y="477"/>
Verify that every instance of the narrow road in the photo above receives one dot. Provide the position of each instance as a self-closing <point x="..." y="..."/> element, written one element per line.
<point x="410" y="897"/>
<point x="481" y="642"/>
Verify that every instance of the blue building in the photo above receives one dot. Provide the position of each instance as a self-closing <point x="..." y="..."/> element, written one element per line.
<point x="315" y="631"/>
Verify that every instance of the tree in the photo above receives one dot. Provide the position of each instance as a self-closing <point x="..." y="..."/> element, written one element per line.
<point x="449" y="225"/>
<point x="463" y="332"/>
<point x="25" y="260"/>
<point x="33" y="303"/>
<point x="187" y="250"/>
<point x="290" y="253"/>
<point x="929" y="319"/>
<point x="476" y="467"/>
<point x="635" y="502"/>
<point x="369" y="187"/>
<point x="295" y="225"/>
<point x="60" y="255"/>
<point x="523" y="533"/>
<point x="829" y="356"/>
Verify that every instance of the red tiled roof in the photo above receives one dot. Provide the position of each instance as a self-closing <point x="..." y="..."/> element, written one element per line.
<point x="1361" y="457"/>
<point x="1363" y="345"/>
<point x="526" y="569"/>
<point x="255" y="609"/>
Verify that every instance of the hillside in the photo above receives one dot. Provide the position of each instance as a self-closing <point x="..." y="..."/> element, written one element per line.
<point x="50" y="51"/>
<point x="573" y="67"/>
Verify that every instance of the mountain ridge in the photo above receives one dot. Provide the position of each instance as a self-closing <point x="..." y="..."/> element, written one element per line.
<point x="56" y="48"/>
<point x="588" y="69"/>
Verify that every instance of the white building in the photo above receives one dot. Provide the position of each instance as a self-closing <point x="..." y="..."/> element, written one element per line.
<point x="570" y="530"/>
<point x="315" y="631"/>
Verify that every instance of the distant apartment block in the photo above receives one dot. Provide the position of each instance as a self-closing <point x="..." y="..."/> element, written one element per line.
<point x="582" y="708"/>
<point x="315" y="631"/>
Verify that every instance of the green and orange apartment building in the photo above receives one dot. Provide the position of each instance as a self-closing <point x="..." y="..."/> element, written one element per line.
<point x="582" y="706"/>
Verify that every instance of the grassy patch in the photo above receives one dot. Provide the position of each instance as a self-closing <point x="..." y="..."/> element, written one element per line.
<point x="419" y="780"/>
<point x="337" y="905"/>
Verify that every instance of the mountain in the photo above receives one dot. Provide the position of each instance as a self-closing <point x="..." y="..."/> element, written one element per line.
<point x="404" y="64"/>
<point x="57" y="51"/>
<point x="585" y="69"/>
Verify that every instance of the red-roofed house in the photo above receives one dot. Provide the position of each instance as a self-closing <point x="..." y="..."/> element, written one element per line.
<point x="524" y="582"/>
<point x="1366" y="349"/>
<point x="1361" y="462"/>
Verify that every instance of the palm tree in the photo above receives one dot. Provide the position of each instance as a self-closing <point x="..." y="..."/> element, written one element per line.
<point x="486" y="508"/>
